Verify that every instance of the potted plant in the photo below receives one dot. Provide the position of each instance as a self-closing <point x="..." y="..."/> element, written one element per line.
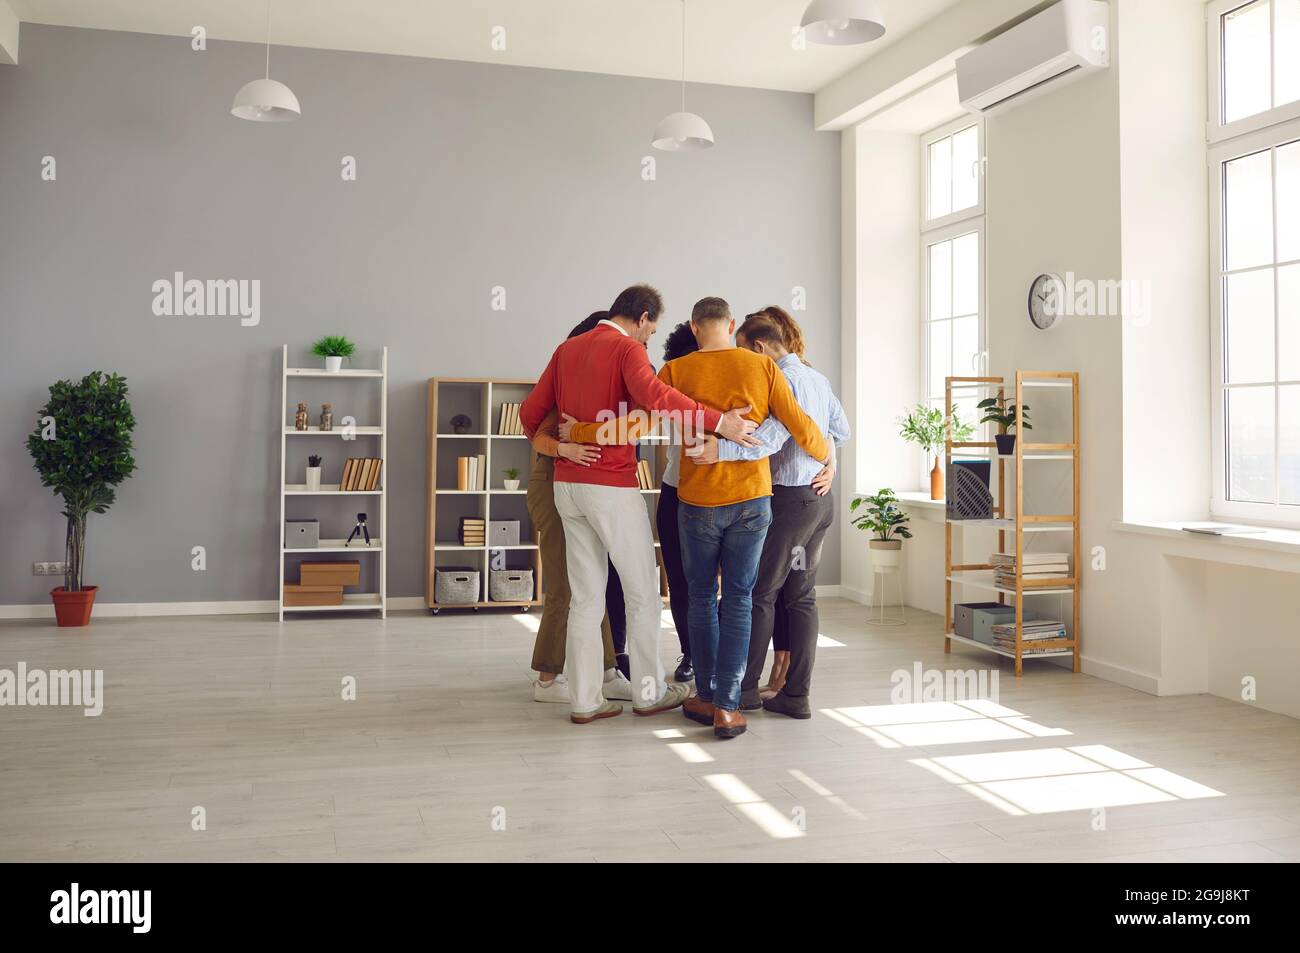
<point x="929" y="427"/>
<point x="313" y="472"/>
<point x="81" y="447"/>
<point x="512" y="478"/>
<point x="886" y="519"/>
<point x="334" y="347"/>
<point x="998" y="411"/>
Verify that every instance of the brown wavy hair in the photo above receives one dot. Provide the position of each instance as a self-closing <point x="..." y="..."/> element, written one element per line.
<point x="774" y="325"/>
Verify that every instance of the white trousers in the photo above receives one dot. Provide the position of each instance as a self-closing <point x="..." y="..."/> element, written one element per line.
<point x="604" y="524"/>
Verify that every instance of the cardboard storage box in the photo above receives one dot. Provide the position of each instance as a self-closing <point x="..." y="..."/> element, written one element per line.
<point x="503" y="533"/>
<point x="343" y="572"/>
<point x="296" y="594"/>
<point x="456" y="586"/>
<point x="510" y="585"/>
<point x="963" y="616"/>
<point x="301" y="534"/>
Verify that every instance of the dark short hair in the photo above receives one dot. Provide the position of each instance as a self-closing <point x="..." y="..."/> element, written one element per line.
<point x="710" y="309"/>
<point x="681" y="341"/>
<point x="588" y="323"/>
<point x="635" y="301"/>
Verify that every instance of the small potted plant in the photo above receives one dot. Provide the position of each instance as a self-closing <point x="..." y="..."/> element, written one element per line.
<point x="334" y="347"/>
<point x="313" y="473"/>
<point x="82" y="449"/>
<point x="998" y="411"/>
<point x="885" y="518"/>
<point x="928" y="427"/>
<point x="461" y="424"/>
<point x="512" y="478"/>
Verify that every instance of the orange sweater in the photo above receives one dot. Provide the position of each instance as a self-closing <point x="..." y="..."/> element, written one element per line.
<point x="731" y="377"/>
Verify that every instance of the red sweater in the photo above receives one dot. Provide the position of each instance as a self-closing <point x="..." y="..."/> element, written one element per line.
<point x="603" y="370"/>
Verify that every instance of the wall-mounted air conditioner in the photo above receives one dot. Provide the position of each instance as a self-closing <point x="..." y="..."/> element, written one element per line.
<point x="1066" y="41"/>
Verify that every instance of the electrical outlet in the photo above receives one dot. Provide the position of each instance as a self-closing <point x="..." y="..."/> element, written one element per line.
<point x="56" y="568"/>
<point x="38" y="569"/>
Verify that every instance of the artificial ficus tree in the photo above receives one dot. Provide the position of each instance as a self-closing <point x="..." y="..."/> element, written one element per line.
<point x="82" y="449"/>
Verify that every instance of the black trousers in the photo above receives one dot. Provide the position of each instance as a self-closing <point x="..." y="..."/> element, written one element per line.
<point x="670" y="544"/>
<point x="787" y="573"/>
<point x="616" y="611"/>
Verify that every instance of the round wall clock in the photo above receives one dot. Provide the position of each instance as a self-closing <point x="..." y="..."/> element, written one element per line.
<point x="1045" y="300"/>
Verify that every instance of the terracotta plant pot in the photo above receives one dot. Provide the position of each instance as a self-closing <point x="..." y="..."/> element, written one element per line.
<point x="73" y="608"/>
<point x="936" y="481"/>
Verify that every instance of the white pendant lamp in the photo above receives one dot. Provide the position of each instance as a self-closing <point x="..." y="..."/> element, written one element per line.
<point x="682" y="131"/>
<point x="843" y="22"/>
<point x="266" y="100"/>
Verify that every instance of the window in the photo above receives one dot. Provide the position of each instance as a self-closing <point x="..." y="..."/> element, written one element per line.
<point x="1255" y="240"/>
<point x="1254" y="66"/>
<point x="952" y="250"/>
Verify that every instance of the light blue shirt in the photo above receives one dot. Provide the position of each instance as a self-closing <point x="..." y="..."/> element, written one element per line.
<point x="790" y="465"/>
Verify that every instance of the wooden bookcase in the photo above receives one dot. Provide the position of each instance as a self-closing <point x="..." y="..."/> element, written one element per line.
<point x="480" y="399"/>
<point x="1016" y="521"/>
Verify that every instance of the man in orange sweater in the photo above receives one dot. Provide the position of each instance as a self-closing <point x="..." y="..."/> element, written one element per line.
<point x="724" y="508"/>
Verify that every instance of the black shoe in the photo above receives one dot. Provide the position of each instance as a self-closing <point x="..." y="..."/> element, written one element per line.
<point x="685" y="670"/>
<point x="750" y="700"/>
<point x="783" y="704"/>
<point x="624" y="664"/>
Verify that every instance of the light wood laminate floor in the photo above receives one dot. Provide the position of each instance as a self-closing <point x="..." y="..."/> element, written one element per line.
<point x="443" y="747"/>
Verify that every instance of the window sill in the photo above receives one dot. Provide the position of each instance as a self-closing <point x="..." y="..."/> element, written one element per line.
<point x="920" y="499"/>
<point x="1272" y="539"/>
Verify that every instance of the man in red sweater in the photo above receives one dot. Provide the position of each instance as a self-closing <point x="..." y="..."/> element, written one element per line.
<point x="594" y="376"/>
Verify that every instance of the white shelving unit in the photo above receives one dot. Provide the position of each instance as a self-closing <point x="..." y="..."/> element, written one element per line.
<point x="352" y="602"/>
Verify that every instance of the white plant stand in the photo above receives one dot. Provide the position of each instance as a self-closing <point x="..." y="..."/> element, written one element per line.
<point x="879" y="575"/>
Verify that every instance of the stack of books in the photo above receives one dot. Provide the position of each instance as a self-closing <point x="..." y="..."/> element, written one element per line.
<point x="644" y="476"/>
<point x="509" y="424"/>
<point x="361" y="473"/>
<point x="1037" y="630"/>
<point x="471" y="472"/>
<point x="473" y="531"/>
<point x="1037" y="566"/>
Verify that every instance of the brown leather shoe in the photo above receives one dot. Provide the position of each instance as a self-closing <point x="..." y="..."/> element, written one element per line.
<point x="728" y="724"/>
<point x="697" y="709"/>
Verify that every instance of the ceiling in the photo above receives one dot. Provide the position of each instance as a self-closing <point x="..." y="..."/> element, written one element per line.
<point x="732" y="42"/>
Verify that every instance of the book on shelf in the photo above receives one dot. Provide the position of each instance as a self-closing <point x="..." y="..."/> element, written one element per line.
<point x="374" y="474"/>
<point x="480" y="472"/>
<point x="347" y="473"/>
<point x="473" y="531"/>
<point x="509" y="424"/>
<point x="644" y="476"/>
<point x="1031" y="631"/>
<point x="462" y="473"/>
<point x="363" y="482"/>
<point x="1030" y="559"/>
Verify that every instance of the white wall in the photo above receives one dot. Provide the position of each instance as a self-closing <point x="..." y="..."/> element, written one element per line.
<point x="881" y="363"/>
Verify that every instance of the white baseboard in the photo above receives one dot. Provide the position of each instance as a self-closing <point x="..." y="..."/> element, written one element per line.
<point x="1120" y="675"/>
<point x="140" y="610"/>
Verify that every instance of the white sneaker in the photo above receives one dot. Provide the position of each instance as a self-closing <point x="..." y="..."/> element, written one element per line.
<point x="556" y="690"/>
<point x="616" y="686"/>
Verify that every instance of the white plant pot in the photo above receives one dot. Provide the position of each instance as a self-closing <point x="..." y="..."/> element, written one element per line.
<point x="886" y="553"/>
<point x="511" y="484"/>
<point x="313" y="478"/>
<point x="334" y="364"/>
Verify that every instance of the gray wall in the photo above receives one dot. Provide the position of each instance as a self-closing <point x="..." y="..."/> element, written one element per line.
<point x="469" y="176"/>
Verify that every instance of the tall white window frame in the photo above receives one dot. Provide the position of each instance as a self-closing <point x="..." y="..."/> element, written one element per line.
<point x="945" y="227"/>
<point x="1219" y="126"/>
<point x="1268" y="397"/>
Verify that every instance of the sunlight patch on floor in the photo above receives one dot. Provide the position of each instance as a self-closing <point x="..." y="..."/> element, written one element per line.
<point x="1051" y="780"/>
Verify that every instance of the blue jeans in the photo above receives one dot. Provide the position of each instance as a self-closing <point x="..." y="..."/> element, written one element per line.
<point x="729" y="538"/>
